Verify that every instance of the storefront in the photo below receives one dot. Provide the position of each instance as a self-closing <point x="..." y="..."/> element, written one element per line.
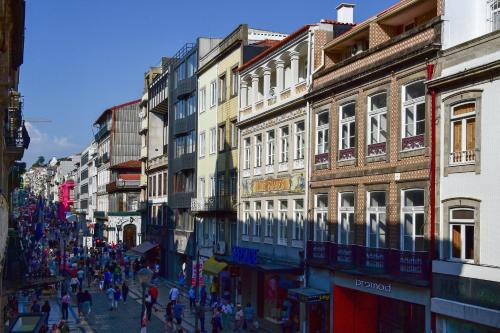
<point x="365" y="304"/>
<point x="314" y="307"/>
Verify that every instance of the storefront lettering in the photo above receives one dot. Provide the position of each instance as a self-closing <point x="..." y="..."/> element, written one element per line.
<point x="271" y="185"/>
<point x="244" y="255"/>
<point x="373" y="285"/>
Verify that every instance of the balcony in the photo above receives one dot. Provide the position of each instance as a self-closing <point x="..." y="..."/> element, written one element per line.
<point x="102" y="132"/>
<point x="212" y="204"/>
<point x="121" y="184"/>
<point x="377" y="149"/>
<point x="413" y="142"/>
<point x="412" y="267"/>
<point x="158" y="162"/>
<point x="105" y="158"/>
<point x="462" y="157"/>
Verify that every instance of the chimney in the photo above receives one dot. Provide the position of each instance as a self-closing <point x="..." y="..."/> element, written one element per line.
<point x="345" y="13"/>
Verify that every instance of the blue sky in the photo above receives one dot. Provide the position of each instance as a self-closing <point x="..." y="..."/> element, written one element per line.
<point x="82" y="56"/>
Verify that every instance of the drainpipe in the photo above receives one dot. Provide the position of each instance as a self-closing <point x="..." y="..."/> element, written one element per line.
<point x="432" y="201"/>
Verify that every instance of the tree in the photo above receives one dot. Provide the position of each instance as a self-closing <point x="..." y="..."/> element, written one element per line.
<point x="40" y="161"/>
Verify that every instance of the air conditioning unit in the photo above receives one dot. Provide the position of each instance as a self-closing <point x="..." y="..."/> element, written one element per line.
<point x="220" y="247"/>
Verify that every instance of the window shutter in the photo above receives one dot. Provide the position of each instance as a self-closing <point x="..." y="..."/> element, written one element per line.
<point x="471" y="133"/>
<point x="457" y="136"/>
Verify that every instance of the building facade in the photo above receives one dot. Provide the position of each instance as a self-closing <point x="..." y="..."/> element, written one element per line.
<point x="466" y="273"/>
<point x="371" y="235"/>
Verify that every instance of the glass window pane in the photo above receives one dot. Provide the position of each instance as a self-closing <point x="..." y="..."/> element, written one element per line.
<point x="415" y="90"/>
<point x="348" y="110"/>
<point x="469" y="242"/>
<point x="414" y="198"/>
<point x="378" y="101"/>
<point x="462" y="214"/>
<point x="322" y="118"/>
<point x="377" y="199"/>
<point x="419" y="224"/>
<point x="409" y="122"/>
<point x="463" y="109"/>
<point x="347" y="199"/>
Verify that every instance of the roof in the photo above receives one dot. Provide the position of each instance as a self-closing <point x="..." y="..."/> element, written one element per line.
<point x="275" y="46"/>
<point x="132" y="164"/>
<point x="267" y="42"/>
<point x="143" y="247"/>
<point x="115" y="108"/>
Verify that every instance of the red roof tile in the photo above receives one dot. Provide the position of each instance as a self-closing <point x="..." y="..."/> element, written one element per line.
<point x="132" y="164"/>
<point x="129" y="176"/>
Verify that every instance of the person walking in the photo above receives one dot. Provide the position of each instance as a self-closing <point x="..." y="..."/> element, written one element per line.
<point x="203" y="295"/>
<point x="238" y="318"/>
<point x="124" y="292"/>
<point x="54" y="329"/>
<point x="46" y="310"/>
<point x="192" y="299"/>
<point x="200" y="314"/>
<point x="74" y="284"/>
<point x="110" y="292"/>
<point x="116" y="297"/>
<point x="153" y="291"/>
<point x="65" y="299"/>
<point x="173" y="295"/>
<point x="178" y="314"/>
<point x="217" y="320"/>
<point x="35" y="307"/>
<point x="79" y="301"/>
<point x="169" y="317"/>
<point x="63" y="327"/>
<point x="87" y="302"/>
<point x="80" y="275"/>
<point x="107" y="279"/>
<point x="248" y="313"/>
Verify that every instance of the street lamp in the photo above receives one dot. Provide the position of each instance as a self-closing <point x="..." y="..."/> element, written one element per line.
<point x="144" y="275"/>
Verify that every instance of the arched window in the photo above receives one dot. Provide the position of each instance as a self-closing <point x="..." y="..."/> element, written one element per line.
<point x="463" y="133"/>
<point x="462" y="234"/>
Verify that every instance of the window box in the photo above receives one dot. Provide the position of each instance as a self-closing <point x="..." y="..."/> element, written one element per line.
<point x="413" y="142"/>
<point x="377" y="149"/>
<point x="321" y="158"/>
<point x="298" y="164"/>
<point x="347" y="154"/>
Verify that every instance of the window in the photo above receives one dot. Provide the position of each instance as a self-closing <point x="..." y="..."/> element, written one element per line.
<point x="150" y="186"/>
<point x="180" y="109"/>
<point x="346" y="218"/>
<point x="258" y="151"/>
<point x="495" y="14"/>
<point x="165" y="183"/>
<point x="320" y="232"/>
<point x="463" y="134"/>
<point x="202" y="100"/>
<point x="322" y="124"/>
<point x="191" y="105"/>
<point x="413" y="114"/>
<point x="298" y="219"/>
<point x="270" y="148"/>
<point x="234" y="81"/>
<point x="222" y="88"/>
<point x="347" y="128"/>
<point x="221" y="187"/>
<point x="412" y="236"/>
<point x="284" y="144"/>
<point x="246" y="154"/>
<point x="202" y="144"/>
<point x="212" y="186"/>
<point x="180" y="73"/>
<point x="233" y="184"/>
<point x="282" y="223"/>
<point x="376" y="219"/>
<point x="191" y="65"/>
<point x="159" y="184"/>
<point x="180" y="146"/>
<point x="222" y="138"/>
<point x="213" y="140"/>
<point x="154" y="186"/>
<point x="258" y="219"/>
<point x="191" y="142"/>
<point x="246" y="218"/>
<point x="377" y="123"/>
<point x="234" y="134"/>
<point x="299" y="141"/>
<point x="462" y="234"/>
<point x="269" y="218"/>
<point x="213" y="93"/>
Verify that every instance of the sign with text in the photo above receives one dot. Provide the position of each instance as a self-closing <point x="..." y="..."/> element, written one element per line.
<point x="244" y="255"/>
<point x="373" y="285"/>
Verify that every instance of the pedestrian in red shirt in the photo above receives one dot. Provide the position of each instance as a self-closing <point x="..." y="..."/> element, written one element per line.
<point x="153" y="291"/>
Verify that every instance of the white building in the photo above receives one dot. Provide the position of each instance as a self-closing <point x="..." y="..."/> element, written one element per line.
<point x="466" y="276"/>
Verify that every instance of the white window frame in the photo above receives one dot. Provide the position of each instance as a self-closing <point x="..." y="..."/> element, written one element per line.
<point x="466" y="157"/>
<point x="298" y="221"/>
<point x="270" y="147"/>
<point x="203" y="143"/>
<point x="463" y="223"/>
<point x="413" y="104"/>
<point x="213" y="141"/>
<point x="246" y="153"/>
<point x="299" y="141"/>
<point x="203" y="99"/>
<point x="212" y="186"/>
<point x="246" y="218"/>
<point x="320" y="232"/>
<point x="347" y="121"/>
<point x="283" y="148"/>
<point x="493" y="14"/>
<point x="282" y="222"/>
<point x="413" y="211"/>
<point x="377" y="114"/>
<point x="348" y="213"/>
<point x="269" y="218"/>
<point x="258" y="151"/>
<point x="380" y="213"/>
<point x="258" y="219"/>
<point x="322" y="147"/>
<point x="213" y="93"/>
<point x="201" y="190"/>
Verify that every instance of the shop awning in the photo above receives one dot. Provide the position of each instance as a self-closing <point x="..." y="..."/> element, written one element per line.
<point x="213" y="267"/>
<point x="143" y="248"/>
<point x="308" y="295"/>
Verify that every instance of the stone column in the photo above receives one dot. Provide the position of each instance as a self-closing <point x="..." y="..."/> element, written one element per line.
<point x="267" y="82"/>
<point x="244" y="93"/>
<point x="280" y="76"/>
<point x="294" y="60"/>
<point x="255" y="88"/>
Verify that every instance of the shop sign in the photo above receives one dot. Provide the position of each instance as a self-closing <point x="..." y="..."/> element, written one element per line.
<point x="373" y="285"/>
<point x="293" y="184"/>
<point x="309" y="298"/>
<point x="271" y="185"/>
<point x="244" y="255"/>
